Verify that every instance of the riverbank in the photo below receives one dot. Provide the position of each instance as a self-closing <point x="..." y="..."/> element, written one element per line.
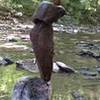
<point x="15" y="44"/>
<point x="10" y="24"/>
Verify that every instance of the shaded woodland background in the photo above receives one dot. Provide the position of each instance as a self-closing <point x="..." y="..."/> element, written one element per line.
<point x="78" y="11"/>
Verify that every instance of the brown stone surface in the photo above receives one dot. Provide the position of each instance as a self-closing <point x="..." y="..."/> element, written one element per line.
<point x="42" y="36"/>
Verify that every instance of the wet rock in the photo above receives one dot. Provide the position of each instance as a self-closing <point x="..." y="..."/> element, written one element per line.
<point x="98" y="69"/>
<point x="87" y="72"/>
<point x="96" y="78"/>
<point x="25" y="26"/>
<point x="2" y="61"/>
<point x="86" y="53"/>
<point x="64" y="68"/>
<point x="5" y="61"/>
<point x="97" y="56"/>
<point x="87" y="45"/>
<point x="18" y="14"/>
<point x="29" y="65"/>
<point x="25" y="37"/>
<point x="89" y="50"/>
<point x="15" y="21"/>
<point x="77" y="96"/>
<point x="55" y="68"/>
<point x="12" y="38"/>
<point x="60" y="67"/>
<point x="30" y="50"/>
<point x="73" y="29"/>
<point x="9" y="61"/>
<point x="28" y="88"/>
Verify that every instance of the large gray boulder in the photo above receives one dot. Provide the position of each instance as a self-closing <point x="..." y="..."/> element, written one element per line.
<point x="28" y="64"/>
<point x="28" y="88"/>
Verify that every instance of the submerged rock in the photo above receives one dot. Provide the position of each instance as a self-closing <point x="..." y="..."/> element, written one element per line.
<point x="86" y="53"/>
<point x="5" y="61"/>
<point x="87" y="72"/>
<point x="64" y="68"/>
<point x="31" y="65"/>
<point x="9" y="61"/>
<point x="25" y="37"/>
<point x="89" y="50"/>
<point x="2" y="61"/>
<point x="98" y="69"/>
<point x="96" y="78"/>
<point x="77" y="96"/>
<point x="12" y="38"/>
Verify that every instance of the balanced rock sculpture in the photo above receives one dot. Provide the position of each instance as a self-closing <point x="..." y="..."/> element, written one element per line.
<point x="42" y="41"/>
<point x="42" y="36"/>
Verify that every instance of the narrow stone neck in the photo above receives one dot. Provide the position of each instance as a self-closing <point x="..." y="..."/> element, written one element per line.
<point x="43" y="25"/>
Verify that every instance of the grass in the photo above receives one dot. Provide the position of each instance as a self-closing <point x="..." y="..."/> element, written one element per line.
<point x="63" y="84"/>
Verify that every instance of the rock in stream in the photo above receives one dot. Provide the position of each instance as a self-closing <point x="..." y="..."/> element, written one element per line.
<point x="31" y="65"/>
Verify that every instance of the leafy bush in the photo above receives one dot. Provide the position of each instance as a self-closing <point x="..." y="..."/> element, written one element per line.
<point x="81" y="10"/>
<point x="25" y="6"/>
<point x="77" y="10"/>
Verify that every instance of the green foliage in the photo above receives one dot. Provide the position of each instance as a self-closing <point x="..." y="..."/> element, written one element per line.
<point x="25" y="6"/>
<point x="77" y="10"/>
<point x="81" y="10"/>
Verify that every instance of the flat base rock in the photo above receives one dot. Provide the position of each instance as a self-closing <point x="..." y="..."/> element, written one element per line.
<point x="28" y="64"/>
<point x="89" y="49"/>
<point x="28" y="88"/>
<point x="31" y="65"/>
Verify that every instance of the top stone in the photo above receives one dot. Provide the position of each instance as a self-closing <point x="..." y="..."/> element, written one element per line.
<point x="48" y="13"/>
